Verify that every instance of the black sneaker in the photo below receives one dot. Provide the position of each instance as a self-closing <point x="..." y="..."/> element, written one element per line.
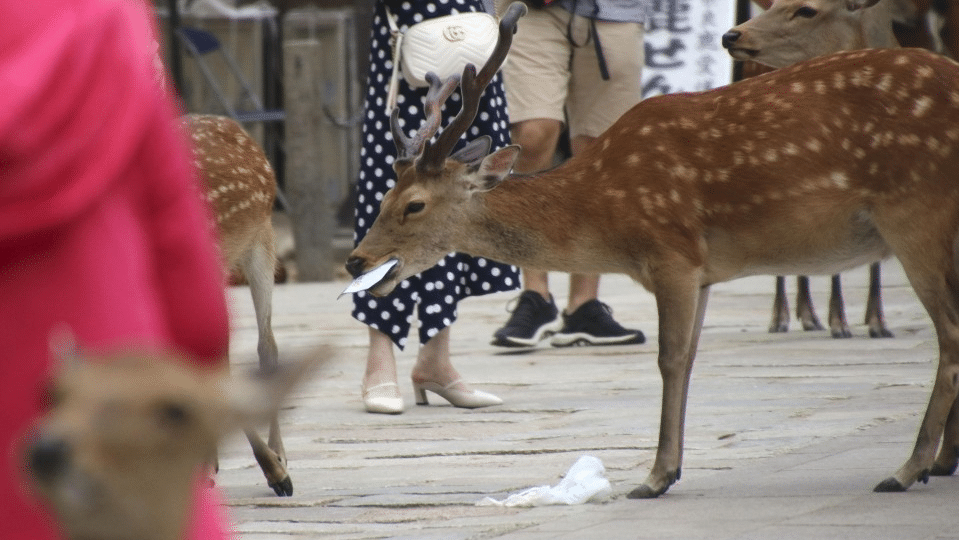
<point x="534" y="319"/>
<point x="593" y="324"/>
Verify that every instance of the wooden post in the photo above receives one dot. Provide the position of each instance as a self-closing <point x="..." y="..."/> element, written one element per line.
<point x="312" y="211"/>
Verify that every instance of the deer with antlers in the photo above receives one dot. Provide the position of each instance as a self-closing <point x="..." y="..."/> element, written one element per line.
<point x="240" y="186"/>
<point x="688" y="190"/>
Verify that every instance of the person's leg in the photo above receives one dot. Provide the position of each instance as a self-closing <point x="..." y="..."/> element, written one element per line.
<point x="536" y="77"/>
<point x="538" y="139"/>
<point x="380" y="391"/>
<point x="594" y="105"/>
<point x="435" y="372"/>
<point x="535" y="316"/>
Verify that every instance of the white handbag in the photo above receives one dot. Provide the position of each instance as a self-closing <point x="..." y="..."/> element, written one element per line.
<point x="443" y="45"/>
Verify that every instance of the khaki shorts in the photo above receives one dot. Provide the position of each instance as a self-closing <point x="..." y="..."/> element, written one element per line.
<point x="545" y="76"/>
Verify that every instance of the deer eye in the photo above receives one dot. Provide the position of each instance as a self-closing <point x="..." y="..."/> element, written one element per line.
<point x="414" y="207"/>
<point x="806" y="12"/>
<point x="172" y="414"/>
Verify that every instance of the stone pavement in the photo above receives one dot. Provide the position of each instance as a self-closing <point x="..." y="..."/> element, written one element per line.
<point x="786" y="434"/>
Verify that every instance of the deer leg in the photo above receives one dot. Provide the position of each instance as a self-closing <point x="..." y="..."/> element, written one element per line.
<point x="873" y="317"/>
<point x="946" y="463"/>
<point x="780" y="320"/>
<point x="938" y="294"/>
<point x="805" y="311"/>
<point x="838" y="314"/>
<point x="259" y="270"/>
<point x="681" y="319"/>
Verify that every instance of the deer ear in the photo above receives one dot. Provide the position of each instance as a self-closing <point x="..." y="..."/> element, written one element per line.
<point x="401" y="164"/>
<point x="854" y="5"/>
<point x="257" y="397"/>
<point x="494" y="168"/>
<point x="64" y="349"/>
<point x="474" y="151"/>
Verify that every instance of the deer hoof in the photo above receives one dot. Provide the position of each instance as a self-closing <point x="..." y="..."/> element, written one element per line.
<point x="644" y="491"/>
<point x="842" y="333"/>
<point x="940" y="469"/>
<point x="880" y="333"/>
<point x="890" y="485"/>
<point x="283" y="488"/>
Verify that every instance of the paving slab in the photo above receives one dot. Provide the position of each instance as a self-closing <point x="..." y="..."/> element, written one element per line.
<point x="786" y="434"/>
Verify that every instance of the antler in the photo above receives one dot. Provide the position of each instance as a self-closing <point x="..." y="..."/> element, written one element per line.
<point x="472" y="85"/>
<point x="410" y="147"/>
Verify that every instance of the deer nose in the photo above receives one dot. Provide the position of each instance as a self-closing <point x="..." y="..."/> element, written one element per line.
<point x="729" y="38"/>
<point x="48" y="457"/>
<point x="355" y="265"/>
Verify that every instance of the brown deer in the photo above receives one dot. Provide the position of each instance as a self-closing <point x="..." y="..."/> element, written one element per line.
<point x="117" y="455"/>
<point x="688" y="190"/>
<point x="241" y="187"/>
<point x="790" y="31"/>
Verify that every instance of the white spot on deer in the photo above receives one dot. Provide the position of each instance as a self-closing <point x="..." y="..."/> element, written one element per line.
<point x="819" y="87"/>
<point x="902" y="60"/>
<point x="771" y="155"/>
<point x="646" y="130"/>
<point x="798" y="88"/>
<point x="924" y="72"/>
<point x="839" y="179"/>
<point x="606" y="144"/>
<point x="839" y="81"/>
<point x="886" y="82"/>
<point x="874" y="168"/>
<point x="634" y="159"/>
<point x="922" y="105"/>
<point x="908" y="139"/>
<point x="814" y="145"/>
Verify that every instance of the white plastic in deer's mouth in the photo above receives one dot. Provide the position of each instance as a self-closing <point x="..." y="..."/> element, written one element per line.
<point x="371" y="278"/>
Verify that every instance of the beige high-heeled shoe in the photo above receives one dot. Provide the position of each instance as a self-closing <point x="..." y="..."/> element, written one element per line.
<point x="383" y="398"/>
<point x="458" y="398"/>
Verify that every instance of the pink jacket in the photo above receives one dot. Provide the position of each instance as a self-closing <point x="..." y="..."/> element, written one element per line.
<point x="101" y="221"/>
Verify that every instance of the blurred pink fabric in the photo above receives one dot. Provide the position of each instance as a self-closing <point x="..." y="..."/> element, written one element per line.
<point x="102" y="225"/>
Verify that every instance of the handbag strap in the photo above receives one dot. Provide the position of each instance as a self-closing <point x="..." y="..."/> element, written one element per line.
<point x="396" y="40"/>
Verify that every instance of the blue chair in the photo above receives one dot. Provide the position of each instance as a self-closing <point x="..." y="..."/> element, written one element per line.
<point x="200" y="43"/>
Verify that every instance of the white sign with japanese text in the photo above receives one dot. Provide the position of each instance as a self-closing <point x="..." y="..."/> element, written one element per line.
<point x="682" y="51"/>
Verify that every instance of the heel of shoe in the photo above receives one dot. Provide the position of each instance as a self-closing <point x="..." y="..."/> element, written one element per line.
<point x="421" y="394"/>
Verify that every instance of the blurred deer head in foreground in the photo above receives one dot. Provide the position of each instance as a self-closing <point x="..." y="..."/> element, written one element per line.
<point x="118" y="453"/>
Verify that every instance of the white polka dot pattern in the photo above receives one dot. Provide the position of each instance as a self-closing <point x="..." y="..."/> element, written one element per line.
<point x="433" y="294"/>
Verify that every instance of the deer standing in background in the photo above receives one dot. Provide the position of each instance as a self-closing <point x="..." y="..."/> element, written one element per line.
<point x="816" y="168"/>
<point x="116" y="456"/>
<point x="241" y="187"/>
<point x="790" y="31"/>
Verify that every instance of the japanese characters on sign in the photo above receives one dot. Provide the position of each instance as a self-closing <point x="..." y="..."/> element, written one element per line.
<point x="682" y="51"/>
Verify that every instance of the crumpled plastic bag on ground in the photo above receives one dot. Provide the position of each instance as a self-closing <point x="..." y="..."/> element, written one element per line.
<point x="584" y="482"/>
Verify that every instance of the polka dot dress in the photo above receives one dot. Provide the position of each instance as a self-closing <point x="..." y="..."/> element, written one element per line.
<point x="431" y="296"/>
